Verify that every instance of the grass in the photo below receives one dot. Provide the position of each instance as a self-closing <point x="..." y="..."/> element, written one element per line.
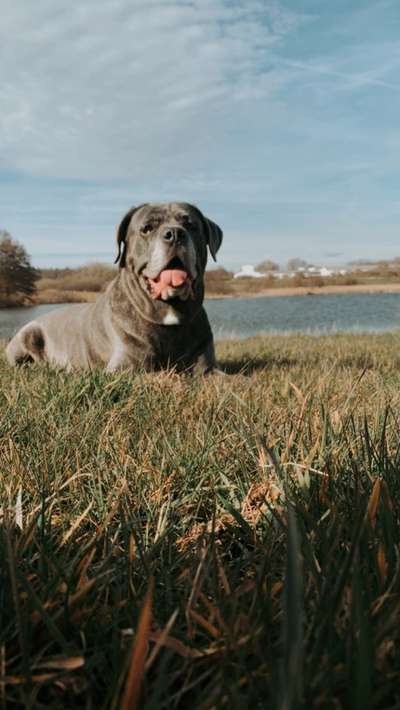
<point x="229" y="542"/>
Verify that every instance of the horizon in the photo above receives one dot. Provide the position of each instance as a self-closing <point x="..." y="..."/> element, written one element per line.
<point x="93" y="260"/>
<point x="279" y="120"/>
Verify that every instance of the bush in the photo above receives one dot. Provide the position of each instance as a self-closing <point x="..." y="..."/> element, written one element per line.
<point x="93" y="277"/>
<point x="252" y="285"/>
<point x="218" y="281"/>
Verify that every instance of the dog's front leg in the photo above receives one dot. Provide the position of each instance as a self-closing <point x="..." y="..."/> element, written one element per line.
<point x="119" y="359"/>
<point x="206" y="363"/>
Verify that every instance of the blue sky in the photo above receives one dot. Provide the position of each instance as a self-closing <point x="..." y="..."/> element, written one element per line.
<point x="280" y="120"/>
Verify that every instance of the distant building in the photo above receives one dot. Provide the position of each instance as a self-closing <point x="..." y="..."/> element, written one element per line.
<point x="308" y="271"/>
<point x="325" y="272"/>
<point x="248" y="271"/>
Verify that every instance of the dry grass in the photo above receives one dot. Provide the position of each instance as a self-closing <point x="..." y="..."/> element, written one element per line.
<point x="93" y="277"/>
<point x="51" y="295"/>
<point x="262" y="506"/>
<point x="83" y="283"/>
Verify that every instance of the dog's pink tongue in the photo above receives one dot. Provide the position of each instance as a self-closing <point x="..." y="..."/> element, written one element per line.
<point x="167" y="278"/>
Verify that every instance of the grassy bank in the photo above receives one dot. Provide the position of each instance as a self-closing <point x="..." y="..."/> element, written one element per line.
<point x="258" y="512"/>
<point x="44" y="296"/>
<point x="84" y="284"/>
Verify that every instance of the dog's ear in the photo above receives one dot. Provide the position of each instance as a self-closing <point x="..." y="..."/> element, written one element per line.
<point x="213" y="233"/>
<point x="121" y="235"/>
<point x="214" y="236"/>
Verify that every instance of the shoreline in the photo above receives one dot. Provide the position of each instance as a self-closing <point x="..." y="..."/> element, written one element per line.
<point x="312" y="291"/>
<point x="52" y="296"/>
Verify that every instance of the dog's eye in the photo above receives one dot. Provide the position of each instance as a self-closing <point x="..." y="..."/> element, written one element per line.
<point x="187" y="222"/>
<point x="147" y="228"/>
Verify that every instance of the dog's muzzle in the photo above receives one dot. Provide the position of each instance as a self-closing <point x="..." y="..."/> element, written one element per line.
<point x="172" y="282"/>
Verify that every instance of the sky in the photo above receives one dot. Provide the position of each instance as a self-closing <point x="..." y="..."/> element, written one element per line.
<point x="280" y="120"/>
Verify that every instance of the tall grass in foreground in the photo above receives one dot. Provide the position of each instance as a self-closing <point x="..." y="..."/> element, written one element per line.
<point x="237" y="537"/>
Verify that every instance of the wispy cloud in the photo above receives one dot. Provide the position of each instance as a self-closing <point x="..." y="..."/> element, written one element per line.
<point x="103" y="90"/>
<point x="351" y="80"/>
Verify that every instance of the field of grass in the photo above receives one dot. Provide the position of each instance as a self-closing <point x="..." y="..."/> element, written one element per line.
<point x="230" y="542"/>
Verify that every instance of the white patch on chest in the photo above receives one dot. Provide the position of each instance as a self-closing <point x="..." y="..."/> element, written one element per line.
<point x="171" y="318"/>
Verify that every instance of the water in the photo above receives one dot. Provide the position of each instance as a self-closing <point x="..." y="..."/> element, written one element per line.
<point x="11" y="319"/>
<point x="340" y="313"/>
<point x="239" y="318"/>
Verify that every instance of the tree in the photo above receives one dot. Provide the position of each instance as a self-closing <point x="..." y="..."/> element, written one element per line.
<point x="17" y="275"/>
<point x="295" y="264"/>
<point x="266" y="266"/>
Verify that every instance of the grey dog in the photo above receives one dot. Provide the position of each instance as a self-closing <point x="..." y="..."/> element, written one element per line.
<point x="151" y="315"/>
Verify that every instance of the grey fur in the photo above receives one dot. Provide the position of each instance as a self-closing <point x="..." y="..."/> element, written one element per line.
<point x="126" y="327"/>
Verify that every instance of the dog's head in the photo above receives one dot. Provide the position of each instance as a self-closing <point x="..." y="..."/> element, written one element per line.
<point x="165" y="247"/>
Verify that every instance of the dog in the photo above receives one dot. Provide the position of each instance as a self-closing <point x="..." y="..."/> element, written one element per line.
<point x="151" y="315"/>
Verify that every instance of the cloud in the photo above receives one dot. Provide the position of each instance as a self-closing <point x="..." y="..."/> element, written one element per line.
<point x="129" y="89"/>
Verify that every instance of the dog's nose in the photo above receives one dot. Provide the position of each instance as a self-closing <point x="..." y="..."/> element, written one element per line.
<point x="174" y="235"/>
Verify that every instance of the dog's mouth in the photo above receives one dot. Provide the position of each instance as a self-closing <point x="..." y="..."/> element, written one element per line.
<point x="174" y="281"/>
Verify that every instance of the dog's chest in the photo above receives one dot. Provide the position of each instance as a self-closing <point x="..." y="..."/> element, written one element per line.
<point x="170" y="346"/>
<point x="176" y="345"/>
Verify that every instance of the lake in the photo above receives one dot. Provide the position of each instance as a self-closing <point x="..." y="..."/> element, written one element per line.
<point x="243" y="317"/>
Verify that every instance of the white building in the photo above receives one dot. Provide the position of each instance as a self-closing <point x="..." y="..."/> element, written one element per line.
<point x="325" y="272"/>
<point x="249" y="271"/>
